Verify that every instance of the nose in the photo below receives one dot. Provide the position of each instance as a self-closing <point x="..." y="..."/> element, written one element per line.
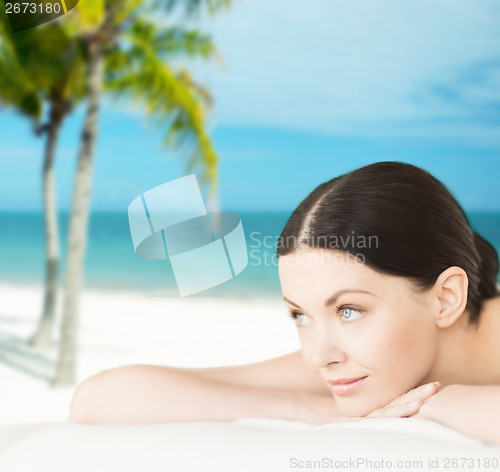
<point x="327" y="348"/>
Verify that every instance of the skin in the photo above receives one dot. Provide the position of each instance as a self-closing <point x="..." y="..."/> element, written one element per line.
<point x="399" y="338"/>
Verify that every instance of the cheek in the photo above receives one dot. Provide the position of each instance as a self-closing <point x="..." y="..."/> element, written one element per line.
<point x="307" y="348"/>
<point x="406" y="350"/>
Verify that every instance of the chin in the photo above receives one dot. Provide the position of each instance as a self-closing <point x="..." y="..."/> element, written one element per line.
<point x="354" y="408"/>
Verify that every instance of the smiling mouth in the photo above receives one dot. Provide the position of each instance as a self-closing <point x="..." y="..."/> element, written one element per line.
<point x="346" y="388"/>
<point x="345" y="381"/>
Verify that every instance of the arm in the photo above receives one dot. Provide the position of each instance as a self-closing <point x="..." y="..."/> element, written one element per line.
<point x="473" y="410"/>
<point x="139" y="394"/>
<point x="288" y="372"/>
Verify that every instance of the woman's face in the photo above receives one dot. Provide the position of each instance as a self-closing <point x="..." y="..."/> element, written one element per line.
<point x="388" y="335"/>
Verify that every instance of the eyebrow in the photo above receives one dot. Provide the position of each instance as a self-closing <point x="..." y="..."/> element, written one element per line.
<point x="332" y="299"/>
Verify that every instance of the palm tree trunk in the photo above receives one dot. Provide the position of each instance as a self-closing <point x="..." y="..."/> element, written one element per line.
<point x="43" y="335"/>
<point x="66" y="366"/>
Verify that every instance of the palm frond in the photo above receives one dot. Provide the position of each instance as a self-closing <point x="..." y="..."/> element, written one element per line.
<point x="174" y="41"/>
<point x="192" y="7"/>
<point x="167" y="97"/>
<point x="89" y="14"/>
<point x="39" y="65"/>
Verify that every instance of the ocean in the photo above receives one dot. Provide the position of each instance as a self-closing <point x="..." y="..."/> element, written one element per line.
<point x="111" y="262"/>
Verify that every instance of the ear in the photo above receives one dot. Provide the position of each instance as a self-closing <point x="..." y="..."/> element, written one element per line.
<point x="451" y="291"/>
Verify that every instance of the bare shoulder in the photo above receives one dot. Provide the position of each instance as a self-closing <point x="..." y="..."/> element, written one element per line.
<point x="490" y="319"/>
<point x="490" y="327"/>
<point x="288" y="372"/>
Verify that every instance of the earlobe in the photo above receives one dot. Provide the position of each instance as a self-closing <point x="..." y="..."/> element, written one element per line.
<point x="451" y="286"/>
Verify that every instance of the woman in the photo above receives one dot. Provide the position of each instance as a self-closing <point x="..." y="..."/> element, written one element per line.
<point x="397" y="309"/>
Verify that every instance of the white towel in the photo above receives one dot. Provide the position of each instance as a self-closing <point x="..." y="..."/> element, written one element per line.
<point x="245" y="445"/>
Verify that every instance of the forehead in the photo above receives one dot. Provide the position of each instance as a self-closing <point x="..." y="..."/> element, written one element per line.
<point x="320" y="261"/>
<point x="322" y="271"/>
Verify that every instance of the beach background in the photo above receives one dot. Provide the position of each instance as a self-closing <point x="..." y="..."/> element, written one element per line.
<point x="112" y="265"/>
<point x="306" y="92"/>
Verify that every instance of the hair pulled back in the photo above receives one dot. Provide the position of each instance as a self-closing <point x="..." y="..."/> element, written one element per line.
<point x="419" y="226"/>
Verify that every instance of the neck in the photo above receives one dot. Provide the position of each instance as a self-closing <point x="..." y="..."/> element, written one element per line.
<point x="465" y="353"/>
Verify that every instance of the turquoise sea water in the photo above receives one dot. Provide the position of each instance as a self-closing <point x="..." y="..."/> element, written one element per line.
<point x="112" y="263"/>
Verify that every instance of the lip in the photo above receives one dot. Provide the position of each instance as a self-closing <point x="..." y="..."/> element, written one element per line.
<point x="345" y="386"/>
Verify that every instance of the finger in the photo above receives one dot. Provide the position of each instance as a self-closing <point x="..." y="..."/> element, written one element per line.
<point x="407" y="404"/>
<point x="412" y="408"/>
<point x="424" y="391"/>
<point x="402" y="410"/>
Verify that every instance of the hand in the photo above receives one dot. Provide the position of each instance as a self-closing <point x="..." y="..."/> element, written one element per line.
<point x="469" y="409"/>
<point x="321" y="409"/>
<point x="450" y="397"/>
<point x="405" y="405"/>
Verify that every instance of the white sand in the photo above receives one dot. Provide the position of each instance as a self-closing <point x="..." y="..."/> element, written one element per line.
<point x="119" y="328"/>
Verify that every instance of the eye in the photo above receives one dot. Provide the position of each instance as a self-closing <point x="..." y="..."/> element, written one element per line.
<point x="347" y="313"/>
<point x="300" y="318"/>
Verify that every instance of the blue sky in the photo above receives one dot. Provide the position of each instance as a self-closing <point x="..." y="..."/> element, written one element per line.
<point x="307" y="92"/>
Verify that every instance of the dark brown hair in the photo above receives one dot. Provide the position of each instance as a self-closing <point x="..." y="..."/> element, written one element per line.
<point x="419" y="228"/>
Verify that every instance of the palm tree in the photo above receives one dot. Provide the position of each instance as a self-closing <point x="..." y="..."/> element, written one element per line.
<point x="126" y="56"/>
<point x="42" y="67"/>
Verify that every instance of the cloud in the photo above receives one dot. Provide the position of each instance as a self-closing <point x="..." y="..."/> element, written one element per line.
<point x="358" y="67"/>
